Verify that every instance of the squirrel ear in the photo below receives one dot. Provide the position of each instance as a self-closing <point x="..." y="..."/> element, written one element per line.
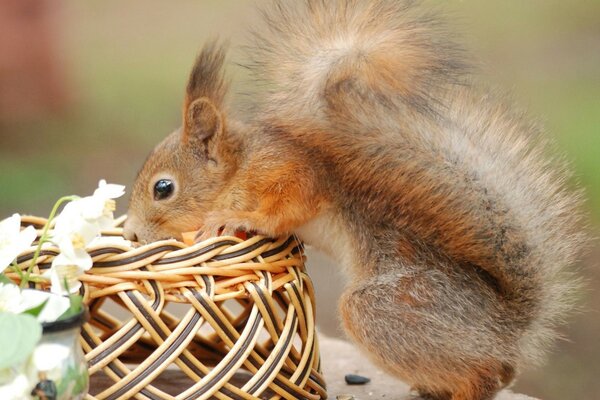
<point x="201" y="121"/>
<point x="207" y="75"/>
<point x="206" y="88"/>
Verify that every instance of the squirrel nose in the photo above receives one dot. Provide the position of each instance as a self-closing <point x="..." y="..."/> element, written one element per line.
<point x="129" y="231"/>
<point x="130" y="235"/>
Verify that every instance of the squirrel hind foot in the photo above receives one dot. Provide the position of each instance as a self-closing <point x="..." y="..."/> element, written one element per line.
<point x="480" y="384"/>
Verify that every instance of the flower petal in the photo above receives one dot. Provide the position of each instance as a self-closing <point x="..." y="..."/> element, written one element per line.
<point x="7" y="255"/>
<point x="65" y="269"/>
<point x="92" y="208"/>
<point x="74" y="234"/>
<point x="109" y="190"/>
<point x="10" y="298"/>
<point x="26" y="237"/>
<point x="13" y="241"/>
<point x="11" y="224"/>
<point x="54" y="308"/>
<point x="31" y="298"/>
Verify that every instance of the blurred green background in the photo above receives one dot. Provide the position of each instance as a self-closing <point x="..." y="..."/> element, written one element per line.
<point x="126" y="66"/>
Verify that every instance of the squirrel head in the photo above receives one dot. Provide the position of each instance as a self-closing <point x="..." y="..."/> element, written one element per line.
<point x="184" y="176"/>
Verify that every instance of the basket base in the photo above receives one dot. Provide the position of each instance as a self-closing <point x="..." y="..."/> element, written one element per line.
<point x="170" y="381"/>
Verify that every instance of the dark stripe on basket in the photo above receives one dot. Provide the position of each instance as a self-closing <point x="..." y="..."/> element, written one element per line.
<point x="184" y="358"/>
<point x="307" y="367"/>
<point x="162" y="357"/>
<point x="122" y="375"/>
<point x="106" y="250"/>
<point x="132" y="331"/>
<point x="163" y="335"/>
<point x="285" y="369"/>
<point x="243" y="251"/>
<point x="114" y="368"/>
<point x="226" y="370"/>
<point x="264" y="301"/>
<point x="104" y="322"/>
<point x="278" y="249"/>
<point x="278" y="358"/>
<point x="133" y="259"/>
<point x="197" y="253"/>
<point x="29" y="256"/>
<point x="209" y="286"/>
<point x="284" y="303"/>
<point x="295" y="289"/>
<point x="214" y="316"/>
<point x="223" y="328"/>
<point x="108" y="351"/>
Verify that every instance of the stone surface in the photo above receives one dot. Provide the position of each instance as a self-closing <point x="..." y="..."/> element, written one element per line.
<point x="341" y="358"/>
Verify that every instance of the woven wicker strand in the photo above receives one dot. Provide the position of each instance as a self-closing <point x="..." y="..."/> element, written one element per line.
<point x="232" y="318"/>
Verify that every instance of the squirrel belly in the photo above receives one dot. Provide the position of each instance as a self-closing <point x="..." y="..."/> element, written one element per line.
<point x="370" y="141"/>
<point x="327" y="233"/>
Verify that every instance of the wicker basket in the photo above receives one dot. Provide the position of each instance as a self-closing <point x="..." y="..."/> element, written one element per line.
<point x="226" y="318"/>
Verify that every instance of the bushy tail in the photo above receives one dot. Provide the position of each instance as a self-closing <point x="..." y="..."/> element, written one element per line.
<point x="370" y="65"/>
<point x="333" y="56"/>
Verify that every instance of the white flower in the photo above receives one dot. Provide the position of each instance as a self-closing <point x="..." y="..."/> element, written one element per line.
<point x="77" y="226"/>
<point x="100" y="206"/>
<point x="16" y="301"/>
<point x="109" y="190"/>
<point x="55" y="305"/>
<point x="65" y="269"/>
<point x="10" y="298"/>
<point x="14" y="386"/>
<point x="13" y="241"/>
<point x="72" y="232"/>
<point x="82" y="220"/>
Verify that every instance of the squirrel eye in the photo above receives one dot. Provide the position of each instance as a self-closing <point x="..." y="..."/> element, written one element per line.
<point x="163" y="189"/>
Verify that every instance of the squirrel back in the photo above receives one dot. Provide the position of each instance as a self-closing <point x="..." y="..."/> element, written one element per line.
<point x="380" y="86"/>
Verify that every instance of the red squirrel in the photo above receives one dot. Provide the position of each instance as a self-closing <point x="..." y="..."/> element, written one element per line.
<point x="370" y="141"/>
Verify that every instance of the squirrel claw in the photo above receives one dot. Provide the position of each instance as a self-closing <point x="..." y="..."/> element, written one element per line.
<point x="222" y="224"/>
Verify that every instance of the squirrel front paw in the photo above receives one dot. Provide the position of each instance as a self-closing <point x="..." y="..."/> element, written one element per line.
<point x="225" y="223"/>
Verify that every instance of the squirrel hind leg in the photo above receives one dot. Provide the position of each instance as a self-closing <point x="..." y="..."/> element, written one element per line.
<point x="439" y="333"/>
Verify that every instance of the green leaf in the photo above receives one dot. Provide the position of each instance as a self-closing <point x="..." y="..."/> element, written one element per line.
<point x="75" y="307"/>
<point x="19" y="333"/>
<point x="6" y="279"/>
<point x="35" y="311"/>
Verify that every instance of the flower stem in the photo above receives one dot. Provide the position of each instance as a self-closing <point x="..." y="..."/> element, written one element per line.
<point x="18" y="271"/>
<point x="44" y="237"/>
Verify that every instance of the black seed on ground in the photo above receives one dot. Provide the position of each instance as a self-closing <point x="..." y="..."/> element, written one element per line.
<point x="352" y="379"/>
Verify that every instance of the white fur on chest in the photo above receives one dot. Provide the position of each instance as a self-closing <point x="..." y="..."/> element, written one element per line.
<point x="327" y="233"/>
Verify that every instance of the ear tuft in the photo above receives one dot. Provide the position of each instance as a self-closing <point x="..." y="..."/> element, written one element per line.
<point x="207" y="76"/>
<point x="202" y="121"/>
